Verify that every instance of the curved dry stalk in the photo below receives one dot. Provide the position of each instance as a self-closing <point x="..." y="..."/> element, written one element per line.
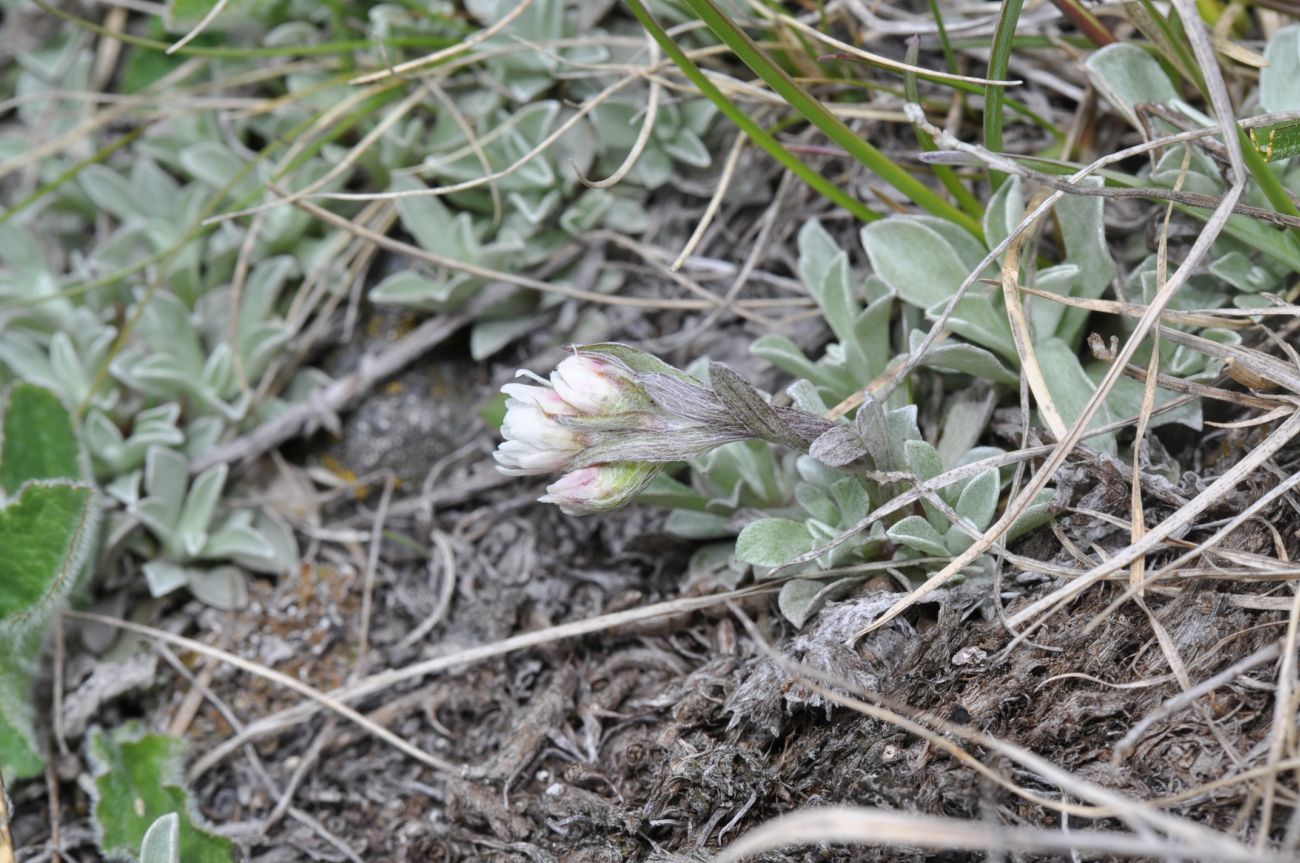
<point x="874" y="59"/>
<point x="321" y="698"/>
<point x="199" y="27"/>
<point x="715" y="202"/>
<point x="642" y="135"/>
<point x="451" y="51"/>
<point x="1020" y="333"/>
<point x="387" y="679"/>
<point x="880" y="827"/>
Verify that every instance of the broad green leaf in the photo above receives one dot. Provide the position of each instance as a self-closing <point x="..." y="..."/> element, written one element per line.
<point x="1037" y="514"/>
<point x="1278" y="90"/>
<point x="801" y="598"/>
<point x="914" y="259"/>
<point x="979" y="499"/>
<point x="39" y="441"/>
<point x="851" y="499"/>
<point x="1005" y="210"/>
<point x="223" y="587"/>
<point x="957" y="358"/>
<point x="817" y="503"/>
<point x="691" y="524"/>
<point x="191" y="533"/>
<point x="772" y="542"/>
<point x="1237" y="270"/>
<point x="110" y="192"/>
<point x="1127" y="76"/>
<point x="162" y="841"/>
<point x="135" y="785"/>
<point x="20" y="753"/>
<point x="1071" y="388"/>
<point x="45" y="533"/>
<point x="1084" y="235"/>
<point x="917" y="533"/>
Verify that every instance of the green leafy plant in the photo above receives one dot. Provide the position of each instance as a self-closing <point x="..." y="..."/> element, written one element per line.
<point x="137" y="786"/>
<point x="48" y="513"/>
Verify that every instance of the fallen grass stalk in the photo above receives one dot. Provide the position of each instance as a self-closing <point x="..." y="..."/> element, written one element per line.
<point x="891" y="829"/>
<point x="386" y="679"/>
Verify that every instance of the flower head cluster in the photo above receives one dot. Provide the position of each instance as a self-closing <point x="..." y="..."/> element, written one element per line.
<point x="611" y="417"/>
<point x="550" y="425"/>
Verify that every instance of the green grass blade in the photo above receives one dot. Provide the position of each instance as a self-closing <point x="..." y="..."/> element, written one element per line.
<point x="963" y="196"/>
<point x="817" y="113"/>
<point x="756" y="133"/>
<point x="999" y="60"/>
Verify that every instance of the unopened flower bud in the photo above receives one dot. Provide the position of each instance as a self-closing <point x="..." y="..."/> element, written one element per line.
<point x="599" y="488"/>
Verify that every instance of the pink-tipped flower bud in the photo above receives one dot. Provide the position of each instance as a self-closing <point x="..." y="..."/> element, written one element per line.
<point x="594" y="385"/>
<point x="599" y="488"/>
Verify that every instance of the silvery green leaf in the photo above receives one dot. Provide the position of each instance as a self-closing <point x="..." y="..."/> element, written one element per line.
<point x="772" y="542"/>
<point x="162" y="841"/>
<point x="957" y="358"/>
<point x="218" y="167"/>
<point x="486" y="337"/>
<point x="922" y="459"/>
<point x="103" y="438"/>
<point x="412" y="289"/>
<point x="1071" y="388"/>
<point x="202" y="434"/>
<point x="236" y="540"/>
<point x="981" y="320"/>
<point x="870" y="347"/>
<point x="687" y="148"/>
<point x="824" y="271"/>
<point x="654" y="169"/>
<point x="1080" y="218"/>
<point x="151" y="183"/>
<point x="1044" y="315"/>
<point x="218" y="375"/>
<point x="918" y="534"/>
<point x="223" y="587"/>
<point x="690" y="524"/>
<point x="801" y="598"/>
<point x="586" y="212"/>
<point x="1004" y="211"/>
<point x="979" y="500"/>
<point x="166" y="325"/>
<point x="673" y="494"/>
<point x="744" y="465"/>
<point x="785" y="355"/>
<point x="851" y="499"/>
<point x="1127" y="76"/>
<point x="166" y="476"/>
<point x="279" y="537"/>
<point x="914" y="259"/>
<point x="196" y="514"/>
<point x="111" y="192"/>
<point x="805" y="397"/>
<point x="262" y="290"/>
<point x="1202" y="175"/>
<point x="872" y="425"/>
<point x="965" y="416"/>
<point x="817" y="503"/>
<point x="1277" y="81"/>
<point x="125" y="488"/>
<point x="957" y="540"/>
<point x="1037" y="514"/>
<point x="163" y="577"/>
<point x="1237" y="270"/>
<point x="21" y="354"/>
<point x="259" y="345"/>
<point x="970" y="251"/>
